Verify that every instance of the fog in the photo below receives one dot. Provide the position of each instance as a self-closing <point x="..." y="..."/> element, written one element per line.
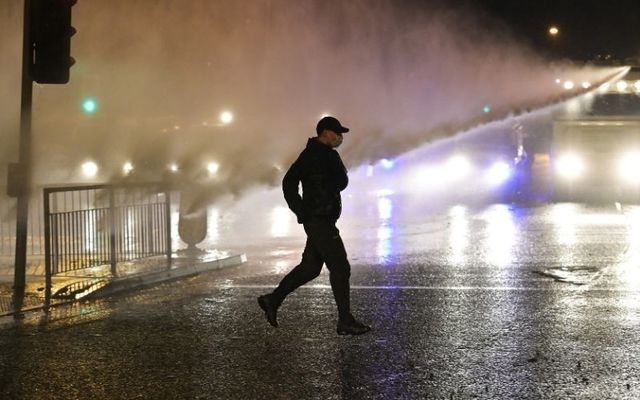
<point x="398" y="74"/>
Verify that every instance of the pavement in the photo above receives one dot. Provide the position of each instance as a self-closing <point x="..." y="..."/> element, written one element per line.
<point x="98" y="281"/>
<point x="495" y="302"/>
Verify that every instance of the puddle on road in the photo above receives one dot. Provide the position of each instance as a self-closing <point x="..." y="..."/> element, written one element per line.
<point x="576" y="275"/>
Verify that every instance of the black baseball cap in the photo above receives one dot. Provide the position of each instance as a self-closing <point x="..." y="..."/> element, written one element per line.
<point x="332" y="124"/>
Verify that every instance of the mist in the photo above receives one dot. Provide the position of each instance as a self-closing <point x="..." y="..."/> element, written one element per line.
<point x="399" y="74"/>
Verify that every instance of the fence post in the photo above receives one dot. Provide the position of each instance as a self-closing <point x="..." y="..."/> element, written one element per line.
<point x="47" y="249"/>
<point x="112" y="231"/>
<point x="149" y="222"/>
<point x="167" y="208"/>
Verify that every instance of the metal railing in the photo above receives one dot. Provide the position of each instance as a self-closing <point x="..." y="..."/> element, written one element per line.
<point x="98" y="225"/>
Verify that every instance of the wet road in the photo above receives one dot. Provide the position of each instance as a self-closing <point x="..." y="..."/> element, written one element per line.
<point x="495" y="301"/>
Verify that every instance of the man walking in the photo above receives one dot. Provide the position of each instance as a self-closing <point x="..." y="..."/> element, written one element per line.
<point x="323" y="177"/>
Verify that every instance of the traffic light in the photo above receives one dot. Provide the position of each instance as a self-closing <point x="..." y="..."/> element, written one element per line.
<point x="51" y="33"/>
<point x="89" y="105"/>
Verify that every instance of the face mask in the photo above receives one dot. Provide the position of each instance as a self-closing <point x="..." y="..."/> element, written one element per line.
<point x="336" y="143"/>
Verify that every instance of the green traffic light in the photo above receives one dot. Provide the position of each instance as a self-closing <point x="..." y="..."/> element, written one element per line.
<point x="89" y="105"/>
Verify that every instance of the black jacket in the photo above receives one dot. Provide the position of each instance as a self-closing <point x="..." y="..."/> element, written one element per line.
<point x="323" y="177"/>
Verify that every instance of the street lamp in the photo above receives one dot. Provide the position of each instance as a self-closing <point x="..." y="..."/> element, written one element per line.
<point x="554" y="31"/>
<point x="127" y="168"/>
<point x="89" y="169"/>
<point x="226" y="117"/>
<point x="213" y="167"/>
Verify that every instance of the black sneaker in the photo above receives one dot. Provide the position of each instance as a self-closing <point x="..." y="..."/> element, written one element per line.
<point x="352" y="327"/>
<point x="270" y="309"/>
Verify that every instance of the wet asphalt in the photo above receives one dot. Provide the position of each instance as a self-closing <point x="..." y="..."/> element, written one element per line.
<point x="499" y="301"/>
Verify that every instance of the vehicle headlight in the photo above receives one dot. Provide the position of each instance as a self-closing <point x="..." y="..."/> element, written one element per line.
<point x="569" y="166"/>
<point x="622" y="86"/>
<point x="458" y="166"/>
<point x="628" y="167"/>
<point x="498" y="173"/>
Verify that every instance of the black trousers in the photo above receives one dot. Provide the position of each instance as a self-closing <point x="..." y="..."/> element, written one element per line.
<point x="324" y="246"/>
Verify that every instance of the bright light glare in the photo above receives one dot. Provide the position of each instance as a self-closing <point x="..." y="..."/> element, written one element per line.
<point x="498" y="173"/>
<point x="553" y="30"/>
<point x="586" y="85"/>
<point x="628" y="167"/>
<point x="383" y="192"/>
<point x="385" y="208"/>
<point x="569" y="85"/>
<point x="173" y="167"/>
<point x="385" y="245"/>
<point x="501" y="235"/>
<point x="386" y="163"/>
<point x="89" y="169"/>
<point x="569" y="166"/>
<point x="127" y="168"/>
<point x="226" y="117"/>
<point x="637" y="85"/>
<point x="457" y="167"/>
<point x="428" y="177"/>
<point x="89" y="105"/>
<point x="213" y="167"/>
<point x="459" y="234"/>
<point x="622" y="86"/>
<point x="564" y="218"/>
<point x="280" y="221"/>
<point x="573" y="106"/>
<point x="369" y="170"/>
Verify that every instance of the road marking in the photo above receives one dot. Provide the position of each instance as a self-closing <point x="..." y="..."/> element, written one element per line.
<point x="573" y="288"/>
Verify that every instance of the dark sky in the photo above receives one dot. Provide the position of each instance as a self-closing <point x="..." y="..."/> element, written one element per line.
<point x="587" y="27"/>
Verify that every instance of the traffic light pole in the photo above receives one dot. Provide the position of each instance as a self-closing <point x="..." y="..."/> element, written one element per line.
<point x="24" y="162"/>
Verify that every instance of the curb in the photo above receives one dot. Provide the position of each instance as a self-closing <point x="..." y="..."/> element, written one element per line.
<point x="133" y="282"/>
<point x="127" y="283"/>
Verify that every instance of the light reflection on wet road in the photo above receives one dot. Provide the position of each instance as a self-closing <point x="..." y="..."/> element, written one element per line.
<point x="498" y="301"/>
<point x="574" y="243"/>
